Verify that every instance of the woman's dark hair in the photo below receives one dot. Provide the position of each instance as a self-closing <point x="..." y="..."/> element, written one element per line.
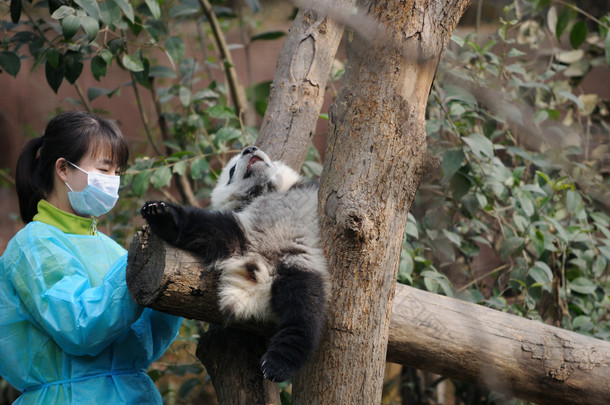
<point x="70" y="135"/>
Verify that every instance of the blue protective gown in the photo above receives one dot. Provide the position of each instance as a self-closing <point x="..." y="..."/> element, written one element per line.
<point x="69" y="331"/>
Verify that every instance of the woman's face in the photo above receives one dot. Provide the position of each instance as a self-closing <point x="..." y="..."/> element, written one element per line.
<point x="100" y="162"/>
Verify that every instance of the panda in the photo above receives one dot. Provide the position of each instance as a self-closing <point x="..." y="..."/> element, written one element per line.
<point x="262" y="236"/>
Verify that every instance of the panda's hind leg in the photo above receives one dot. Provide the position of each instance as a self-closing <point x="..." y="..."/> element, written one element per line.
<point x="298" y="298"/>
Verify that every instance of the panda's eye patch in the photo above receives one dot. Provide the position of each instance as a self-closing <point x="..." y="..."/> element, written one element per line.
<point x="231" y="173"/>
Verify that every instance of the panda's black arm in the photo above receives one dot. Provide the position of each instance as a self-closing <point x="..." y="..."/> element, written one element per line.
<point x="213" y="235"/>
<point x="298" y="297"/>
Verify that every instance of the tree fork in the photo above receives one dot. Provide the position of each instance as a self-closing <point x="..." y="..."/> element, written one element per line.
<point x="457" y="339"/>
<point x="295" y="102"/>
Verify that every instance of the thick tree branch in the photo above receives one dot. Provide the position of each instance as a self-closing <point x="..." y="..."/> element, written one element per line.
<point x="457" y="339"/>
<point x="298" y="88"/>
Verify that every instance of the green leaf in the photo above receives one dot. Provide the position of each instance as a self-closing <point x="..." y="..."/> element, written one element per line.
<point x="16" y="7"/>
<point x="480" y="145"/>
<point x="453" y="237"/>
<point x="227" y="134"/>
<point x="514" y="52"/>
<point x="599" y="266"/>
<point x="110" y="13"/>
<point x="452" y="161"/>
<point x="583" y="285"/>
<point x="573" y="201"/>
<point x="107" y="56"/>
<point x="582" y="323"/>
<point x="154" y="8"/>
<point x="184" y="94"/>
<point x="563" y="21"/>
<point x="411" y="228"/>
<point x="54" y="74"/>
<point x="91" y="27"/>
<point x="578" y="34"/>
<point x="526" y="204"/>
<point x="460" y="185"/>
<point x="162" y="72"/>
<point x="63" y="12"/>
<point x="52" y="57"/>
<point x="73" y="66"/>
<point x="459" y="93"/>
<point x="142" y="75"/>
<point x="69" y="26"/>
<point x="546" y="178"/>
<point x="98" y="67"/>
<point x="91" y="7"/>
<point x="541" y="273"/>
<point x="267" y="36"/>
<point x="180" y="167"/>
<point x="175" y="49"/>
<point x="133" y="62"/>
<point x="136" y="27"/>
<point x="563" y="235"/>
<point x="161" y="177"/>
<point x="10" y="62"/>
<point x="141" y="182"/>
<point x="206" y="94"/>
<point x="220" y="112"/>
<point x="512" y="245"/>
<point x="199" y="167"/>
<point x="183" y="9"/>
<point x="458" y="40"/>
<point x="127" y="9"/>
<point x="95" y="92"/>
<point x="405" y="268"/>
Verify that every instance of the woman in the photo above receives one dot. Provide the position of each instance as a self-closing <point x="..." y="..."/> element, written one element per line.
<point x="69" y="331"/>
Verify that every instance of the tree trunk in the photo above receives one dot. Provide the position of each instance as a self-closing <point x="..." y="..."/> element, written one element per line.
<point x="374" y="160"/>
<point x="298" y="88"/>
<point x="457" y="339"/>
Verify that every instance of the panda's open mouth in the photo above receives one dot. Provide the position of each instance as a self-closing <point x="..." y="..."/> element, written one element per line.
<point x="253" y="160"/>
<point x="251" y="163"/>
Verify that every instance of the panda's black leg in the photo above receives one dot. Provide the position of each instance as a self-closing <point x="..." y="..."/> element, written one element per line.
<point x="298" y="298"/>
<point x="163" y="218"/>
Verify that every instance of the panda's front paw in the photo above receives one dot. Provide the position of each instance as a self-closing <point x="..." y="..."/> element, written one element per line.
<point x="274" y="369"/>
<point x="154" y="208"/>
<point x="161" y="217"/>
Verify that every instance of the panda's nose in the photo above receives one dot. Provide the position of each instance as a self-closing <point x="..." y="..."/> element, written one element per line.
<point x="248" y="150"/>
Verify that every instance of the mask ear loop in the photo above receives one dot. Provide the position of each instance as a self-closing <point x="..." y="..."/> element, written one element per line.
<point x="84" y="171"/>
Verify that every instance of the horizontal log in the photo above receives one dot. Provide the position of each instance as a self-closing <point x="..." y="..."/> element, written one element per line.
<point x="467" y="342"/>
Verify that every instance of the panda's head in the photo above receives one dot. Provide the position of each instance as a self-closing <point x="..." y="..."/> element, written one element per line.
<point x="249" y="175"/>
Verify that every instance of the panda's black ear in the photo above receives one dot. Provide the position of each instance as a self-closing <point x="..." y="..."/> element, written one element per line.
<point x="231" y="173"/>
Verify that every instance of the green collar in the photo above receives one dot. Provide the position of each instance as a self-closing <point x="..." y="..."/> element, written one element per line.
<point x="64" y="221"/>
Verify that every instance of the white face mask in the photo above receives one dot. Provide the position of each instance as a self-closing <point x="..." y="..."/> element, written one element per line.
<point x="100" y="195"/>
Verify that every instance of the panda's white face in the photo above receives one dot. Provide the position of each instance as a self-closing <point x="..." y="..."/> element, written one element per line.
<point x="248" y="175"/>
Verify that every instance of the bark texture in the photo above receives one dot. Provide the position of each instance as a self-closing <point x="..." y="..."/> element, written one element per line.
<point x="231" y="357"/>
<point x="374" y="162"/>
<point x="297" y="92"/>
<point x="506" y="353"/>
<point x="460" y="340"/>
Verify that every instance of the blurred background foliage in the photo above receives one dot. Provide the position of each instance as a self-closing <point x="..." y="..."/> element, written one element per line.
<point x="514" y="210"/>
